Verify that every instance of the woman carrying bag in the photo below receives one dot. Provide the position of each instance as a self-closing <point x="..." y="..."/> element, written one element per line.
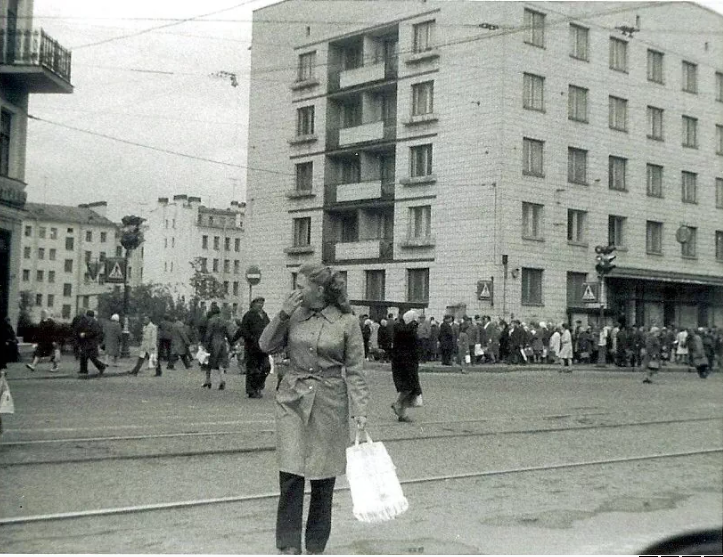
<point x="322" y="387"/>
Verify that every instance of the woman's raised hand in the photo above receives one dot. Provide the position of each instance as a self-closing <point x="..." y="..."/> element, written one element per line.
<point x="293" y="301"/>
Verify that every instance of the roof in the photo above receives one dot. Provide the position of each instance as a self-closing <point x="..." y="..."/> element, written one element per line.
<point x="65" y="213"/>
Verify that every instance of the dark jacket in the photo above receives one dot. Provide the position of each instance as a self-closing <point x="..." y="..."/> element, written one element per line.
<point x="405" y="358"/>
<point x="252" y="325"/>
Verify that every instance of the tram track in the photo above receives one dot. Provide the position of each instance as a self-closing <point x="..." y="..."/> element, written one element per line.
<point x="435" y="430"/>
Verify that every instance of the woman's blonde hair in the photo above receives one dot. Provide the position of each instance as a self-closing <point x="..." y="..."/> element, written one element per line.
<point x="333" y="283"/>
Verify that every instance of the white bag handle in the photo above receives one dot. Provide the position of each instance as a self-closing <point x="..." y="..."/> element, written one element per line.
<point x="356" y="437"/>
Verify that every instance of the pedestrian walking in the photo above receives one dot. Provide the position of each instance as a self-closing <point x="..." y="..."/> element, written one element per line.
<point x="164" y="339"/>
<point x="698" y="357"/>
<point x="216" y="342"/>
<point x="681" y="350"/>
<point x="555" y="346"/>
<point x="385" y="341"/>
<point x="90" y="335"/>
<point x="446" y="340"/>
<point x="405" y="365"/>
<point x="180" y="345"/>
<point x="257" y="361"/>
<point x="322" y="387"/>
<point x="45" y="346"/>
<point x="112" y="336"/>
<point x="148" y="349"/>
<point x="566" y="349"/>
<point x="651" y="360"/>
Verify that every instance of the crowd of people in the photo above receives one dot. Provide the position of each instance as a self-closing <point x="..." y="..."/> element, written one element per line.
<point x="483" y="340"/>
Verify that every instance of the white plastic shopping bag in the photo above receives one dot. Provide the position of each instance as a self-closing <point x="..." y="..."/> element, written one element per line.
<point x="152" y="360"/>
<point x="375" y="490"/>
<point x="202" y="356"/>
<point x="6" y="399"/>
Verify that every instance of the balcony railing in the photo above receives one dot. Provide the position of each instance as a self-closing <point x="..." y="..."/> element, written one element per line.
<point x="373" y="249"/>
<point x="377" y="130"/>
<point x="359" y="191"/>
<point x="12" y="192"/>
<point x="34" y="48"/>
<point x="374" y="71"/>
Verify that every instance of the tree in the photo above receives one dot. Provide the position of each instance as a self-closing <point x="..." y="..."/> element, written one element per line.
<point x="205" y="286"/>
<point x="131" y="233"/>
<point x="153" y="300"/>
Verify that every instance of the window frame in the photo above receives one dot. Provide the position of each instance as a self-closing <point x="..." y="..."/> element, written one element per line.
<point x="305" y="120"/>
<point x="423" y="98"/>
<point x="528" y="297"/>
<point x="689" y="186"/>
<point x="617" y="232"/>
<point x="420" y="222"/>
<point x="530" y="148"/>
<point x="533" y="221"/>
<point x="719" y="139"/>
<point x="375" y="284"/>
<point x="421" y="159"/>
<point x="654" y="180"/>
<point x="304" y="179"/>
<point x="656" y="123"/>
<point x="617" y="113"/>
<point x="423" y="36"/>
<point x="576" y="227"/>
<point x="574" y="36"/>
<point x="574" y="156"/>
<point x="689" y="79"/>
<point x="719" y="86"/>
<point x="417" y="277"/>
<point x="577" y="96"/>
<point x="655" y="66"/>
<point x="304" y="70"/>
<point x="618" y="49"/>
<point x="614" y="163"/>
<point x="654" y="237"/>
<point x="6" y="136"/>
<point x="689" y="128"/>
<point x="301" y="232"/>
<point x="534" y="25"/>
<point x="719" y="245"/>
<point x="689" y="249"/>
<point x="533" y="92"/>
<point x="719" y="193"/>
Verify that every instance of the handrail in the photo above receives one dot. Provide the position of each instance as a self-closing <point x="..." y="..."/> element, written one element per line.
<point x="26" y="47"/>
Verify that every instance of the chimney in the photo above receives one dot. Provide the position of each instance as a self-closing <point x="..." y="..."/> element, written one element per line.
<point x="180" y="197"/>
<point x="99" y="207"/>
<point x="163" y="201"/>
<point x="194" y="201"/>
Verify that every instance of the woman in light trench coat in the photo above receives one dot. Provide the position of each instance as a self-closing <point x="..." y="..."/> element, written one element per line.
<point x="325" y="384"/>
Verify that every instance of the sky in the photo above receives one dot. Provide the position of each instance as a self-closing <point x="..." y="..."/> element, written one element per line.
<point x="145" y="76"/>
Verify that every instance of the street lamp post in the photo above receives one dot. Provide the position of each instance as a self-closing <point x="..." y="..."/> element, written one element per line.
<point x="131" y="238"/>
<point x="604" y="266"/>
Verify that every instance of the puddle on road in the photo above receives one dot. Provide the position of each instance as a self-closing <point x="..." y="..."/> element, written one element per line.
<point x="423" y="546"/>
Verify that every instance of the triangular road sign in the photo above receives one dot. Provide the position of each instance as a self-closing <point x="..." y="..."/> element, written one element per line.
<point x="116" y="273"/>
<point x="485" y="293"/>
<point x="589" y="295"/>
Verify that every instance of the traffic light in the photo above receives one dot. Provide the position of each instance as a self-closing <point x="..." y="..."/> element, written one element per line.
<point x="604" y="260"/>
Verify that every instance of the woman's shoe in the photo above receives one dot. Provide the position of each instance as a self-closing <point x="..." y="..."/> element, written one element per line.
<point x="206" y="385"/>
<point x="404" y="419"/>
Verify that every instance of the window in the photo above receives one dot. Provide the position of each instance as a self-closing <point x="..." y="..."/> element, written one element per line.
<point x="235" y="288"/>
<point x="719" y="86"/>
<point x="40" y="276"/>
<point x="52" y="254"/>
<point x="654" y="237"/>
<point x="579" y="40"/>
<point x="204" y="264"/>
<point x="69" y="244"/>
<point x="88" y="256"/>
<point x="423" y="98"/>
<point x="533" y="92"/>
<point x="86" y="302"/>
<point x="302" y="232"/>
<point x="215" y="266"/>
<point x="655" y="123"/>
<point x="690" y="77"/>
<point x="420" y="222"/>
<point x="103" y="237"/>
<point x="616" y="231"/>
<point x="225" y="287"/>
<point x="38" y="299"/>
<point x="374" y="285"/>
<point x="28" y="231"/>
<point x="423" y="36"/>
<point x="531" y="287"/>
<point x="307" y="61"/>
<point x="534" y="28"/>
<point x="690" y="132"/>
<point x="69" y="231"/>
<point x="618" y="113"/>
<point x="654" y="180"/>
<point x="655" y="66"/>
<point x="532" y="224"/>
<point x="68" y="266"/>
<point x="689" y="187"/>
<point x="217" y="243"/>
<point x="618" y="55"/>
<point x="719" y="193"/>
<point x="66" y="311"/>
<point x="304" y="176"/>
<point x="227" y="244"/>
<point x="41" y="232"/>
<point x="237" y="244"/>
<point x="616" y="173"/>
<point x="6" y="125"/>
<point x="204" y="241"/>
<point x="689" y="248"/>
<point x="576" y="226"/>
<point x="53" y="233"/>
<point x="417" y="285"/>
<point x="88" y="235"/>
<point x="67" y="289"/>
<point x="305" y="120"/>
<point x="41" y="253"/>
<point x="719" y="139"/>
<point x="51" y="300"/>
<point x="576" y="165"/>
<point x="577" y="103"/>
<point x="26" y="275"/>
<point x="719" y="245"/>
<point x="575" y="288"/>
<point x="532" y="162"/>
<point x="26" y="252"/>
<point x="51" y="276"/>
<point x="236" y="266"/>
<point x="226" y="265"/>
<point x="421" y="160"/>
<point x="119" y="251"/>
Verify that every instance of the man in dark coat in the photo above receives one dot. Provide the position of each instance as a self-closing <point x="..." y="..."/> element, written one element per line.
<point x="253" y="324"/>
<point x="164" y="340"/>
<point x="446" y="340"/>
<point x="90" y="334"/>
<point x="405" y="365"/>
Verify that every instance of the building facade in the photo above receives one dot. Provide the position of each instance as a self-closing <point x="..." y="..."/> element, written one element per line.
<point x="63" y="253"/>
<point x="469" y="156"/>
<point x="182" y="233"/>
<point x="30" y="62"/>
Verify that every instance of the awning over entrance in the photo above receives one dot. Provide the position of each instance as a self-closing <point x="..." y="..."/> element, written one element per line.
<point x="666" y="276"/>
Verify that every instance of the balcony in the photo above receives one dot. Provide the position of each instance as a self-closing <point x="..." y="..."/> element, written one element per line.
<point x="12" y="192"/>
<point x="379" y="130"/>
<point x="34" y="61"/>
<point x="384" y="70"/>
<point x="374" y="249"/>
<point x="360" y="191"/>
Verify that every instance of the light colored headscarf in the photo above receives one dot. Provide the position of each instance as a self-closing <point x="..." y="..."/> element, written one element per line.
<point x="115" y="317"/>
<point x="410" y="316"/>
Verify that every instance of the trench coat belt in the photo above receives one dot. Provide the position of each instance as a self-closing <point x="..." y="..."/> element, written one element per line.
<point x="301" y="393"/>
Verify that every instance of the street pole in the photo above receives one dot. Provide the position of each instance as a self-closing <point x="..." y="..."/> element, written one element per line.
<point x="126" y="334"/>
<point x="601" y="352"/>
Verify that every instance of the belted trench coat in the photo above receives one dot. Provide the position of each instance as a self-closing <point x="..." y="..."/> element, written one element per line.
<point x="323" y="386"/>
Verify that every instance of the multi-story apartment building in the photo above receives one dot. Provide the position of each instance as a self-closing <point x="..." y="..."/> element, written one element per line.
<point x="181" y="232"/>
<point x="469" y="156"/>
<point x="63" y="250"/>
<point x="30" y="62"/>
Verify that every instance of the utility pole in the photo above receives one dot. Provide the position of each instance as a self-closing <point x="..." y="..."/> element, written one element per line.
<point x="604" y="266"/>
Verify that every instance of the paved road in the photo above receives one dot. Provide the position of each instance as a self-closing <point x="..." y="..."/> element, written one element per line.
<point x="165" y="440"/>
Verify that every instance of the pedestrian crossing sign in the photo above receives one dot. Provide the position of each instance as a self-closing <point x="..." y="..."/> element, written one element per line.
<point x="590" y="292"/>
<point x="485" y="290"/>
<point x="115" y="270"/>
